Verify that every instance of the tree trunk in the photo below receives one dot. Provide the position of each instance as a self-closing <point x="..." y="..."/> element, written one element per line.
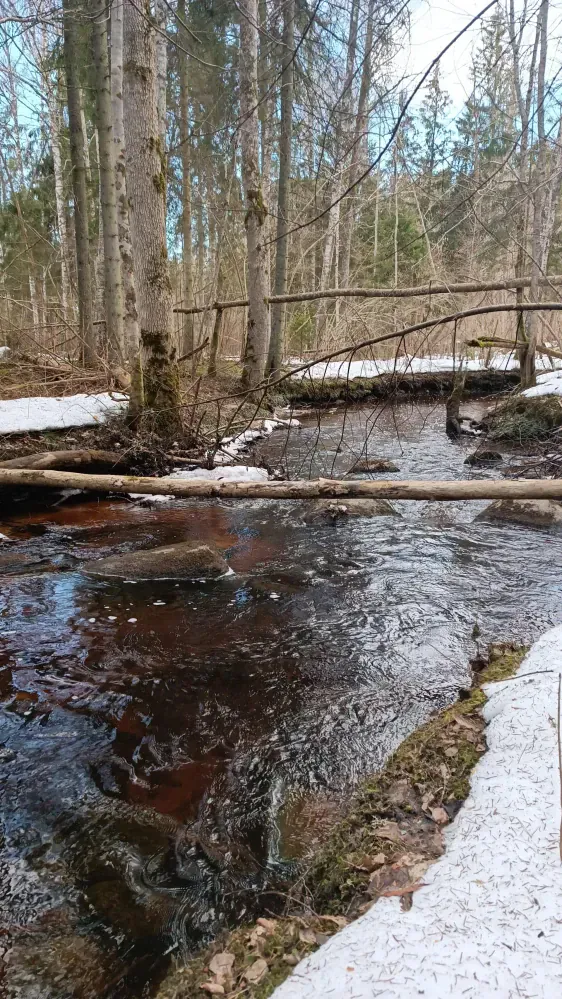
<point x="113" y="287"/>
<point x="60" y="202"/>
<point x="185" y="142"/>
<point x="528" y="369"/>
<point x="79" y="184"/>
<point x="284" y="189"/>
<point x="146" y="190"/>
<point x="257" y="339"/>
<point x="360" y="130"/>
<point x="161" y="42"/>
<point x="130" y="314"/>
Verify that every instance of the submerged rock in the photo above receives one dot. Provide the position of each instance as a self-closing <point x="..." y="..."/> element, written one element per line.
<point x="374" y="465"/>
<point x="181" y="561"/>
<point x="539" y="513"/>
<point x="332" y="511"/>
<point x="483" y="457"/>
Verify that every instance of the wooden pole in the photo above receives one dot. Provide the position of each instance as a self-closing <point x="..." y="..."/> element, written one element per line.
<point x="472" y="489"/>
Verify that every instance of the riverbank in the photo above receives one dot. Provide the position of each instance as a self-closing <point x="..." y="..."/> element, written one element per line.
<point x="392" y="832"/>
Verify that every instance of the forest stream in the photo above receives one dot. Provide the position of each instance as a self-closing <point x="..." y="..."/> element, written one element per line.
<point x="169" y="750"/>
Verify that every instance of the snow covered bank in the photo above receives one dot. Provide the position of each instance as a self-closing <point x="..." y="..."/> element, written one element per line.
<point x="487" y="924"/>
<point x="410" y="365"/>
<point x="548" y="383"/>
<point x="20" y="416"/>
<point x="231" y="447"/>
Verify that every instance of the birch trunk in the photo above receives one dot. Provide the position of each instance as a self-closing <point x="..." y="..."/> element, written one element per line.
<point x="284" y="188"/>
<point x="257" y="338"/>
<point x="130" y="314"/>
<point x="185" y="142"/>
<point x="146" y="189"/>
<point x="79" y="185"/>
<point x="113" y="287"/>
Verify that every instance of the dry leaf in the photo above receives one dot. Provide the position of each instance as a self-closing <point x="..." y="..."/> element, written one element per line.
<point x="340" y="921"/>
<point x="404" y="890"/>
<point x="443" y="770"/>
<point x="322" y="938"/>
<point x="451" y="751"/>
<point x="291" y="960"/>
<point x="439" y="815"/>
<point x="256" y="971"/>
<point x="366" y="863"/>
<point x="213" y="988"/>
<point x="222" y="964"/>
<point x="269" y="925"/>
<point x="307" y="936"/>
<point x="426" y="800"/>
<point x="468" y="723"/>
<point x="390" y="831"/>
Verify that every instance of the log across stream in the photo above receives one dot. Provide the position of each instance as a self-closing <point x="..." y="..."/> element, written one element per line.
<point x="168" y="750"/>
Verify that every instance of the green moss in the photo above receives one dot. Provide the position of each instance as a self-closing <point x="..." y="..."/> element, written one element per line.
<point x="522" y="419"/>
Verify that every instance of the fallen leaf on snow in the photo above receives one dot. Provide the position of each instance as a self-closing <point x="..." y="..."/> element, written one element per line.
<point x="256" y="971"/>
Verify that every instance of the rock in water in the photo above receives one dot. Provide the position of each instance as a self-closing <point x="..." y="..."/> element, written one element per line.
<point x="538" y="513"/>
<point x="181" y="561"/>
<point x="483" y="458"/>
<point x="374" y="465"/>
<point x="334" y="511"/>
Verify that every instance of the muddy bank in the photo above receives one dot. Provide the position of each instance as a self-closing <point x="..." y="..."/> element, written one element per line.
<point x="399" y="387"/>
<point x="391" y="833"/>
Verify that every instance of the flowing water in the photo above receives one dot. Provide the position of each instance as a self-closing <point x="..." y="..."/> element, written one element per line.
<point x="169" y="750"/>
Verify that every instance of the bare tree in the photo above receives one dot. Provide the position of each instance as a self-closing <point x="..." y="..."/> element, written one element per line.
<point x="130" y="315"/>
<point x="257" y="338"/>
<point x="113" y="285"/>
<point x="185" y="142"/>
<point x="79" y="182"/>
<point x="146" y="189"/>
<point x="284" y="187"/>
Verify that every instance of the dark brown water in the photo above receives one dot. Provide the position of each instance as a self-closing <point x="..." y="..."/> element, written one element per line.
<point x="170" y="749"/>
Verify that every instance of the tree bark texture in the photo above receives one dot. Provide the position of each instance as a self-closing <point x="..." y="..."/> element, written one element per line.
<point x="284" y="188"/>
<point x="185" y="142"/>
<point x="130" y="314"/>
<point x="146" y="189"/>
<point x="79" y="184"/>
<point x="257" y="339"/>
<point x="60" y="201"/>
<point x="113" y="286"/>
<point x="307" y="489"/>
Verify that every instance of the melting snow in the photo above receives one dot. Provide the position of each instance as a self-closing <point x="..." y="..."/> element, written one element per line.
<point x="487" y="926"/>
<point x="410" y="365"/>
<point x="548" y="383"/>
<point x="19" y="416"/>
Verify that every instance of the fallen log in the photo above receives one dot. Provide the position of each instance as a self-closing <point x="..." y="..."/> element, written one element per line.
<point x="471" y="489"/>
<point x="64" y="461"/>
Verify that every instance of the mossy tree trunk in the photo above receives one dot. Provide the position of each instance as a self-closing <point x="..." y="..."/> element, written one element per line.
<point x="158" y="390"/>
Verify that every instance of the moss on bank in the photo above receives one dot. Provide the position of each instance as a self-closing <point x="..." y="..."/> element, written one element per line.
<point x="323" y="391"/>
<point x="522" y="419"/>
<point x="392" y="833"/>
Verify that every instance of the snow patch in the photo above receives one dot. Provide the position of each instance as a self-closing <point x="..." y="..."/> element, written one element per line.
<point x="487" y="926"/>
<point x="19" y="416"/>
<point x="4" y="351"/>
<point x="548" y="383"/>
<point x="409" y="364"/>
